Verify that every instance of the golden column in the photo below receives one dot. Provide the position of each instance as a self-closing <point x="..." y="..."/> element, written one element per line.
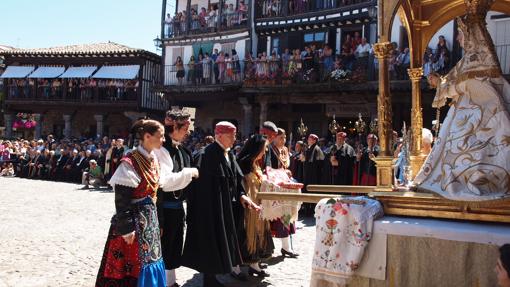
<point x="417" y="158"/>
<point x="384" y="113"/>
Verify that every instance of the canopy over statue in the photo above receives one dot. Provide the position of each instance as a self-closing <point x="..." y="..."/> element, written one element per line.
<point x="470" y="160"/>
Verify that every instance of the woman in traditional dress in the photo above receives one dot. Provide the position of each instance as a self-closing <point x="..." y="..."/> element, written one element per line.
<point x="256" y="242"/>
<point x="132" y="254"/>
<point x="282" y="228"/>
<point x="470" y="160"/>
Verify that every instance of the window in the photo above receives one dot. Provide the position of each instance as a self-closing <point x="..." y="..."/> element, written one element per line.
<point x="275" y="45"/>
<point x="315" y="37"/>
<point x="308" y="38"/>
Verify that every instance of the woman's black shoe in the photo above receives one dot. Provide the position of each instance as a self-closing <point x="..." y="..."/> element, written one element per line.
<point x="288" y="253"/>
<point x="241" y="276"/>
<point x="262" y="265"/>
<point x="260" y="273"/>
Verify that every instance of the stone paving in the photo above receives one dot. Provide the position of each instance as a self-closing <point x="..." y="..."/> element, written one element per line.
<point x="53" y="234"/>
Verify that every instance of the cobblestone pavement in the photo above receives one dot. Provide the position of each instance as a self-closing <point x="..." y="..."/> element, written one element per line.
<point x="53" y="234"/>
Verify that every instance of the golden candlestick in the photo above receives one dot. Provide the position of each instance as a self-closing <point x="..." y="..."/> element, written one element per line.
<point x="333" y="126"/>
<point x="302" y="129"/>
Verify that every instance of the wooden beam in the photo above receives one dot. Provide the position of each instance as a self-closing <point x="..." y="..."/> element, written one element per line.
<point x="340" y="189"/>
<point x="301" y="197"/>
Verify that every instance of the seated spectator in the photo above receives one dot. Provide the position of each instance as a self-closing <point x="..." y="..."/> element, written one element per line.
<point x="7" y="169"/>
<point x="93" y="175"/>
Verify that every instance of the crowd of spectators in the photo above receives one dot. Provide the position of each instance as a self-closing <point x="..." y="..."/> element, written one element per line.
<point x="276" y="8"/>
<point x="82" y="89"/>
<point x="206" y="19"/>
<point x="312" y="64"/>
<point x="86" y="161"/>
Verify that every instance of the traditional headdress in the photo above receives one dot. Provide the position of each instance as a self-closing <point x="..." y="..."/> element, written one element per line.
<point x="224" y="128"/>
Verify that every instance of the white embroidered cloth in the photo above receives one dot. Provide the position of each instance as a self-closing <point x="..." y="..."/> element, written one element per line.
<point x="273" y="209"/>
<point x="343" y="230"/>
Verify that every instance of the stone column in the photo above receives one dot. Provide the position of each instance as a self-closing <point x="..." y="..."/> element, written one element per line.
<point x="38" y="126"/>
<point x="8" y="118"/>
<point x="417" y="159"/>
<point x="248" y="117"/>
<point x="99" y="125"/>
<point x="263" y="112"/>
<point x="68" y="130"/>
<point x="385" y="128"/>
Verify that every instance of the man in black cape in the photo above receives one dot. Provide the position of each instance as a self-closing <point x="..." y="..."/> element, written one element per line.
<point x="211" y="245"/>
<point x="341" y="161"/>
<point x="313" y="163"/>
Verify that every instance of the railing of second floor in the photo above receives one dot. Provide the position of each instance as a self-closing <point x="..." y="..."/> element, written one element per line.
<point x="283" y="8"/>
<point x="284" y="71"/>
<point x="73" y="91"/>
<point x="206" y="22"/>
<point x="204" y="73"/>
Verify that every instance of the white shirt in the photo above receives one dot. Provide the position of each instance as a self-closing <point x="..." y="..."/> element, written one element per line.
<point x="126" y="175"/>
<point x="169" y="180"/>
<point x="363" y="49"/>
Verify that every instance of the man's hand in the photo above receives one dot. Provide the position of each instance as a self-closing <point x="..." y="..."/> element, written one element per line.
<point x="333" y="160"/>
<point x="248" y="203"/>
<point x="129" y="238"/>
<point x="194" y="173"/>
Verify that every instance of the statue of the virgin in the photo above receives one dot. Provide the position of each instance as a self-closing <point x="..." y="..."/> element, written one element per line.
<point x="470" y="160"/>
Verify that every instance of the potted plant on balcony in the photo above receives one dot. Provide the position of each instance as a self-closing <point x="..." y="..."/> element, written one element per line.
<point x="340" y="75"/>
<point x="24" y="121"/>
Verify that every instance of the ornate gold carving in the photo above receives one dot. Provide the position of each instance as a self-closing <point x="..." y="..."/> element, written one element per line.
<point x="383" y="50"/>
<point x="416" y="130"/>
<point x="384" y="165"/>
<point x="384" y="119"/>
<point x="488" y="73"/>
<point x="415" y="74"/>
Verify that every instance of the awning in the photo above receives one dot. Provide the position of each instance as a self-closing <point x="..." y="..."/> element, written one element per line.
<point x="47" y="72"/>
<point x="17" y="71"/>
<point x="117" y="72"/>
<point x="78" y="72"/>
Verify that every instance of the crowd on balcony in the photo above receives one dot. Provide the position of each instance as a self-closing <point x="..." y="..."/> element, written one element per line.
<point x="276" y="8"/>
<point x="313" y="63"/>
<point x="77" y="89"/>
<point x="217" y="68"/>
<point x="434" y="60"/>
<point x="206" y="20"/>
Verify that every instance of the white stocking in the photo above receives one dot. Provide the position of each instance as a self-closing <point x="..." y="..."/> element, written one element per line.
<point x="170" y="277"/>
<point x="286" y="244"/>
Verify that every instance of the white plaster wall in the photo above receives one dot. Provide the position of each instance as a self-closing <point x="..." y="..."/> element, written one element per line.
<point x="168" y="55"/>
<point x="241" y="48"/>
<point x="395" y="29"/>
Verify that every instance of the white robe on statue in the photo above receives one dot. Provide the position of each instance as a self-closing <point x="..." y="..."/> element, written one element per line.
<point x="470" y="160"/>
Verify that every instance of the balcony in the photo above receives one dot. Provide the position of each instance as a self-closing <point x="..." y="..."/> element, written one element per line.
<point x="216" y="20"/>
<point x="72" y="92"/>
<point x="286" y="8"/>
<point x="304" y="75"/>
<point x="255" y="73"/>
